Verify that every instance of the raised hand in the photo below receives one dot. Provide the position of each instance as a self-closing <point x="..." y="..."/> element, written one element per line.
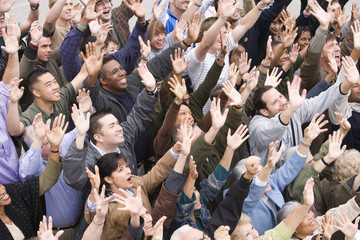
<point x="319" y="13"/>
<point x="147" y="78"/>
<point x="327" y="226"/>
<point x="5" y="6"/>
<point x="137" y="8"/>
<point x="343" y="123"/>
<point x="92" y="63"/>
<point x="35" y="33"/>
<point x="192" y="169"/>
<point x="159" y="229"/>
<point x="345" y="225"/>
<point x="274" y="78"/>
<point x="56" y="134"/>
<point x="315" y="127"/>
<point x="217" y="118"/>
<point x="244" y="63"/>
<point x="222" y="233"/>
<point x="274" y="155"/>
<point x="94" y="27"/>
<point x="223" y="48"/>
<point x="178" y="61"/>
<point x="295" y="99"/>
<point x="11" y="36"/>
<point x="15" y="93"/>
<point x="335" y="149"/>
<point x="351" y="73"/>
<point x="193" y="28"/>
<point x="251" y="80"/>
<point x="355" y="28"/>
<point x="102" y="205"/>
<point x="103" y="33"/>
<point x="269" y="52"/>
<point x="145" y="49"/>
<point x="232" y="94"/>
<point x="39" y="127"/>
<point x="46" y="230"/>
<point x="179" y="30"/>
<point x="294" y="53"/>
<point x="84" y="100"/>
<point x="340" y="17"/>
<point x="187" y="138"/>
<point x="132" y="204"/>
<point x="308" y="193"/>
<point x="234" y="141"/>
<point x="233" y="74"/>
<point x="76" y="13"/>
<point x="354" y="12"/>
<point x="177" y="88"/>
<point x="157" y="9"/>
<point x="227" y="8"/>
<point x="81" y="122"/>
<point x="253" y="167"/>
<point x="286" y="18"/>
<point x="94" y="178"/>
<point x="89" y="11"/>
<point x="288" y="36"/>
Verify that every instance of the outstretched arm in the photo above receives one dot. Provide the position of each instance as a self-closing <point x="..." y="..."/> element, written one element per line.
<point x="33" y="16"/>
<point x="14" y="126"/>
<point x="53" y="16"/>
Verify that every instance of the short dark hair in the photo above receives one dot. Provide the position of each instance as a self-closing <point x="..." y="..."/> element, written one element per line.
<point x="301" y="30"/>
<point x="95" y="125"/>
<point x="330" y="37"/>
<point x="206" y="24"/>
<point x="257" y="99"/>
<point x="105" y="60"/>
<point x="33" y="76"/>
<point x="107" y="164"/>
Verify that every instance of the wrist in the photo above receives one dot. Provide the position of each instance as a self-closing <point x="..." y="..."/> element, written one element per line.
<point x="141" y="20"/>
<point x="261" y="5"/>
<point x="98" y="220"/>
<point x="34" y="6"/>
<point x="84" y="23"/>
<point x="306" y="141"/>
<point x="327" y="160"/>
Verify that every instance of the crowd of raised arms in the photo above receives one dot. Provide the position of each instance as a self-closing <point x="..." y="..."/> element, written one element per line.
<point x="206" y="121"/>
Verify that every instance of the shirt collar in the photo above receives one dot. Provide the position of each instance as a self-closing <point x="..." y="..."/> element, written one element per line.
<point x="102" y="153"/>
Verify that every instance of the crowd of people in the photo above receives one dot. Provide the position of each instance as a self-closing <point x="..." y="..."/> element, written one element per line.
<point x="205" y="121"/>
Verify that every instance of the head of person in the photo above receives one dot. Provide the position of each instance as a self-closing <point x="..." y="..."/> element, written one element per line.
<point x="244" y="229"/>
<point x="206" y="24"/>
<point x="303" y="37"/>
<point x="105" y="130"/>
<point x="268" y="101"/>
<point x="285" y="56"/>
<point x="66" y="11"/>
<point x="178" y="5"/>
<point x="110" y="45"/>
<point x="235" y="54"/>
<point x="104" y="6"/>
<point x="185" y="231"/>
<point x="354" y="94"/>
<point x="43" y="85"/>
<point x="307" y="226"/>
<point x="112" y="76"/>
<point x="276" y="26"/>
<point x="331" y="46"/>
<point x="44" y="49"/>
<point x="2" y="24"/>
<point x="158" y="40"/>
<point x="4" y="197"/>
<point x="347" y="165"/>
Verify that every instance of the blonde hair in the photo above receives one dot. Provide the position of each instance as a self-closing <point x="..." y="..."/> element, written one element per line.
<point x="244" y="219"/>
<point x="347" y="165"/>
<point x="118" y="222"/>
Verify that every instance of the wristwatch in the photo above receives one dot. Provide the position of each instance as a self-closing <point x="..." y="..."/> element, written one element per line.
<point x="34" y="7"/>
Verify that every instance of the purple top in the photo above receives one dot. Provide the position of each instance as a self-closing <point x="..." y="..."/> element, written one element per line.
<point x="9" y="163"/>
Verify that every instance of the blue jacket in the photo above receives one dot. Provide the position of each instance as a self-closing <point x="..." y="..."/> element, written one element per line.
<point x="262" y="216"/>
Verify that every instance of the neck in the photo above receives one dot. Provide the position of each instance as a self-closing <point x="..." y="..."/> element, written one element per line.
<point x="175" y="11"/>
<point x="107" y="148"/>
<point x="2" y="212"/>
<point x="45" y="106"/>
<point x="63" y="22"/>
<point x="192" y="217"/>
<point x="116" y="91"/>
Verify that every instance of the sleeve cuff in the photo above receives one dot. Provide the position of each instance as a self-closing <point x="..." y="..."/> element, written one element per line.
<point x="91" y="206"/>
<point x="260" y="183"/>
<point x="174" y="154"/>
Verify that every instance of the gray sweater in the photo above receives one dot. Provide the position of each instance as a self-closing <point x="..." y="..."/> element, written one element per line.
<point x="263" y="130"/>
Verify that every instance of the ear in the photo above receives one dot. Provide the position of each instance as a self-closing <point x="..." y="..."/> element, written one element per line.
<point x="36" y="93"/>
<point x="108" y="179"/>
<point x="264" y="112"/>
<point x="98" y="137"/>
<point x="102" y="81"/>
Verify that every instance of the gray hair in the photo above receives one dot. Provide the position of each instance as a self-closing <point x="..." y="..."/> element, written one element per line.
<point x="177" y="235"/>
<point x="286" y="210"/>
<point x="239" y="169"/>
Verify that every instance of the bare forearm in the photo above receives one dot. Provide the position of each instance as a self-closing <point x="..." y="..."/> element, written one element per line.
<point x="54" y="15"/>
<point x="211" y="134"/>
<point x="227" y="157"/>
<point x="79" y="141"/>
<point x="302" y="149"/>
<point x="94" y="231"/>
<point x="286" y="115"/>
<point x="180" y="163"/>
<point x="189" y="13"/>
<point x="13" y="120"/>
<point x="189" y="186"/>
<point x="12" y="69"/>
<point x="265" y="173"/>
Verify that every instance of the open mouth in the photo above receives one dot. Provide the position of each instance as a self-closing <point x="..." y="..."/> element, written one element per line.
<point x="57" y="93"/>
<point x="129" y="180"/>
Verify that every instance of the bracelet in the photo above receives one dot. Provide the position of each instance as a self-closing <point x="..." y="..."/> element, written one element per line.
<point x="98" y="223"/>
<point x="187" y="45"/>
<point x="34" y="7"/>
<point x="152" y="93"/>
<point x="144" y="59"/>
<point x="325" y="163"/>
<point x="81" y="26"/>
<point x="259" y="8"/>
<point x="196" y="4"/>
<point x="54" y="151"/>
<point x="263" y="65"/>
<point x="304" y="144"/>
<point x="239" y="107"/>
<point x="220" y="59"/>
<point x="142" y="23"/>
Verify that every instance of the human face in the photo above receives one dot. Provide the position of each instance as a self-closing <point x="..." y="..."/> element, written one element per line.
<point x="105" y="6"/>
<point x="4" y="197"/>
<point x="111" y="133"/>
<point x="115" y="77"/>
<point x="185" y="116"/>
<point x="157" y="41"/>
<point x="66" y="12"/>
<point x="355" y="94"/>
<point x="276" y="26"/>
<point x="2" y="24"/>
<point x="148" y="226"/>
<point x="120" y="178"/>
<point x="307" y="226"/>
<point x="332" y="47"/>
<point x="181" y="5"/>
<point x="275" y="103"/>
<point x="304" y="40"/>
<point x="111" y="47"/>
<point x="284" y="58"/>
<point x="47" y="88"/>
<point x="44" y="49"/>
<point x="247" y="232"/>
<point x="197" y="203"/>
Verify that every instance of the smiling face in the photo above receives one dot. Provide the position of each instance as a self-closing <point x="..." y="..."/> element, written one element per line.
<point x="304" y="40"/>
<point x="157" y="41"/>
<point x="105" y="6"/>
<point x="115" y="77"/>
<point x="66" y="12"/>
<point x="275" y="103"/>
<point x="148" y="226"/>
<point x="307" y="226"/>
<point x="4" y="197"/>
<point x="284" y="58"/>
<point x="217" y="45"/>
<point x="47" y="88"/>
<point x="276" y="26"/>
<point x="185" y="116"/>
<point x="111" y="133"/>
<point x="246" y="232"/>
